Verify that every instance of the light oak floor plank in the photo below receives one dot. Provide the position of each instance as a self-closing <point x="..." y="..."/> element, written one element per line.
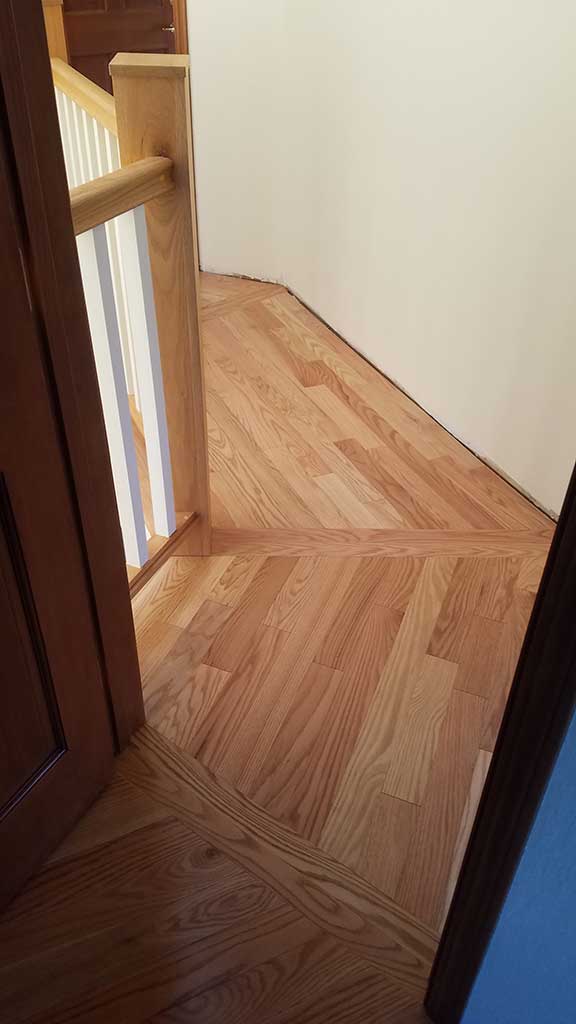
<point x="323" y="694"/>
<point x="392" y="543"/>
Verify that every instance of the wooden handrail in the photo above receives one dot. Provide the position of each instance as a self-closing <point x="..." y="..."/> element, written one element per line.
<point x="86" y="94"/>
<point x="104" y="198"/>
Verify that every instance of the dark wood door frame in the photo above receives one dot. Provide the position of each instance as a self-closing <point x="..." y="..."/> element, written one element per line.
<point x="51" y="250"/>
<point x="541" y="704"/>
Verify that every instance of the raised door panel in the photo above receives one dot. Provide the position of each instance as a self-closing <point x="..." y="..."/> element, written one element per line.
<point x="98" y="29"/>
<point x="30" y="711"/>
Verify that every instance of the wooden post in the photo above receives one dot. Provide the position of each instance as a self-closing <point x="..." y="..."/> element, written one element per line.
<point x="55" y="34"/>
<point x="152" y="93"/>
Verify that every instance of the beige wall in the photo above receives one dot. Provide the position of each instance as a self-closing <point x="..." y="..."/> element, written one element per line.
<point x="407" y="167"/>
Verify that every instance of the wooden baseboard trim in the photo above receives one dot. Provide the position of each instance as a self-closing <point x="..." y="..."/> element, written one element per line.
<point x="184" y="541"/>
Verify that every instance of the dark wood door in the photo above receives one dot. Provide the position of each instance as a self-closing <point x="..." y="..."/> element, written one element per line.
<point x="56" y="749"/>
<point x="98" y="29"/>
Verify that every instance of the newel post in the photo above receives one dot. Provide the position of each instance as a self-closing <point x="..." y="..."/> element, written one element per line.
<point x="152" y="94"/>
<point x="54" y="24"/>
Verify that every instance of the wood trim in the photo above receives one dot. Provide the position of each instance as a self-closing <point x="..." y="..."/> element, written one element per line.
<point x="31" y="110"/>
<point x="55" y="31"/>
<point x="163" y="548"/>
<point x="104" y="198"/>
<point x="541" y="704"/>
<point x="152" y="94"/>
<point x="86" y="94"/>
<point x="149" y="65"/>
<point x="299" y="543"/>
<point x="180" y="17"/>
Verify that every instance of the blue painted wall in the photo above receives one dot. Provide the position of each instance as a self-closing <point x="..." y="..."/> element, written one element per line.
<point x="529" y="972"/>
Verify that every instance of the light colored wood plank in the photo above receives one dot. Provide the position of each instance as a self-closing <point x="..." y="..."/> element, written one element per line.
<point x="480" y="587"/>
<point x="397" y="580"/>
<point x="300" y="776"/>
<point x="247" y="719"/>
<point x="416" y="505"/>
<point x="154" y="643"/>
<point x="316" y="618"/>
<point x="387" y="840"/>
<point x="482" y="668"/>
<point x="232" y="343"/>
<point x="286" y="609"/>
<point x="175" y="674"/>
<point x="219" y="294"/>
<point x="254" y="479"/>
<point x="344" y="833"/>
<point x="236" y="639"/>
<point x="348" y="423"/>
<point x="479" y="775"/>
<point x="107" y="197"/>
<point x="426" y="874"/>
<point x="347" y="471"/>
<point x="235" y="580"/>
<point x="530" y="573"/>
<point x="322" y="501"/>
<point x="388" y="517"/>
<point x="513" y="635"/>
<point x="176" y="591"/>
<point x="355" y="513"/>
<point x="337" y="646"/>
<point x="505" y="503"/>
<point x="326" y="892"/>
<point x="417" y="732"/>
<point x="392" y="543"/>
<point x="199" y="691"/>
<point x="152" y="96"/>
<point x="90" y="97"/>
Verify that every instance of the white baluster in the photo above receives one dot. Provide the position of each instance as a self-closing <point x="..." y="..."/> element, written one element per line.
<point x="75" y="174"/>
<point x="88" y="125"/>
<point x="61" y="107"/>
<point x="80" y="139"/>
<point x="97" y="279"/>
<point x="133" y="240"/>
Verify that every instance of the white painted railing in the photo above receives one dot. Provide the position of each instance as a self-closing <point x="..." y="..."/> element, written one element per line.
<point x="115" y="266"/>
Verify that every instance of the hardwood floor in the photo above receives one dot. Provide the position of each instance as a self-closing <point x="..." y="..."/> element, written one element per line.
<point x="323" y="694"/>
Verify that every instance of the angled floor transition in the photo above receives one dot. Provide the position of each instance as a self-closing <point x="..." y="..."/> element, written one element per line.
<point x="323" y="693"/>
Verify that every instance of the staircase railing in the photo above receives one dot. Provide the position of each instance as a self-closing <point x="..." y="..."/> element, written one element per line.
<point x="130" y="172"/>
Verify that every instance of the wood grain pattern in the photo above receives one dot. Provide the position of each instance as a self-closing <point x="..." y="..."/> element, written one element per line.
<point x="371" y="759"/>
<point x="152" y="99"/>
<point x="110" y="195"/>
<point x="354" y="913"/>
<point x="369" y="542"/>
<point x="426" y="872"/>
<point x="54" y="25"/>
<point x="323" y="697"/>
<point x="90" y="97"/>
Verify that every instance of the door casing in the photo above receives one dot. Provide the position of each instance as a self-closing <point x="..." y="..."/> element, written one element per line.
<point x="39" y="163"/>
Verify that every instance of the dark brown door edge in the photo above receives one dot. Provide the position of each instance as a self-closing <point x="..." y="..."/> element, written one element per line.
<point x="55" y="278"/>
<point x="539" y="710"/>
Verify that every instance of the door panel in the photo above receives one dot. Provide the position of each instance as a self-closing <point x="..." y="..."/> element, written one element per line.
<point x="31" y="713"/>
<point x="98" y="29"/>
<point x="56" y="749"/>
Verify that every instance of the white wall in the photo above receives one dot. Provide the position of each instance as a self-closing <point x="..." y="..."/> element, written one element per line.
<point x="408" y="167"/>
